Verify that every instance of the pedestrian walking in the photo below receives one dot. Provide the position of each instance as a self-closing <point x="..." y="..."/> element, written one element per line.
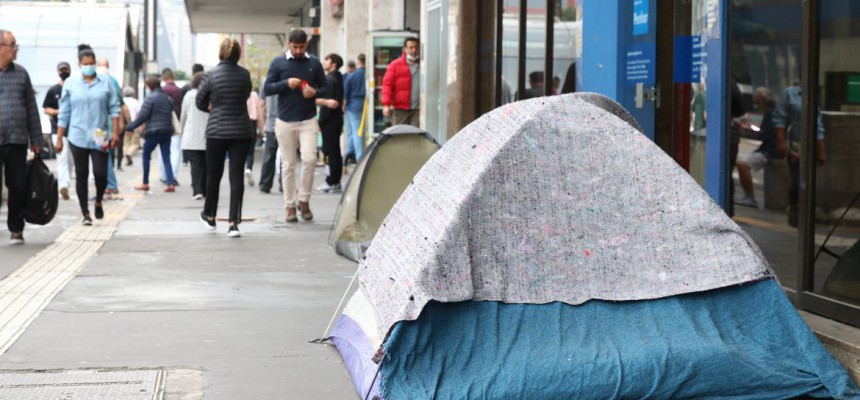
<point x="175" y="94"/>
<point x="156" y="114"/>
<point x="187" y="87"/>
<point x="16" y="99"/>
<point x="193" y="123"/>
<point x="331" y="122"/>
<point x="86" y="105"/>
<point x="354" y="94"/>
<point x="253" y="109"/>
<point x="269" y="110"/>
<point x="51" y="106"/>
<point x="298" y="79"/>
<point x="132" y="139"/>
<point x="401" y="86"/>
<point x="103" y="70"/>
<point x="224" y="90"/>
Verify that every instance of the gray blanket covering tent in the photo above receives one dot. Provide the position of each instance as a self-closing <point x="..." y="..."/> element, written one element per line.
<point x="550" y="250"/>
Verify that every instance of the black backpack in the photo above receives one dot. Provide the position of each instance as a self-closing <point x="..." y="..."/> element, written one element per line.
<point x="41" y="203"/>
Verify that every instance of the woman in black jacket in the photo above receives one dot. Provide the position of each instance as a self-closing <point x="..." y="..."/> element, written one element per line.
<point x="224" y="94"/>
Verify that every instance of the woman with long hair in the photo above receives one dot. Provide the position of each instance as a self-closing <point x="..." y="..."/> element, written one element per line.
<point x="193" y="123"/>
<point x="87" y="104"/>
<point x="224" y="94"/>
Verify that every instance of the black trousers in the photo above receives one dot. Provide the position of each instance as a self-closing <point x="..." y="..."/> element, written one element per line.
<point x="117" y="152"/>
<point x="197" y="158"/>
<point x="216" y="151"/>
<point x="267" y="169"/>
<point x="249" y="162"/>
<point x="331" y="131"/>
<point x="82" y="158"/>
<point x="13" y="162"/>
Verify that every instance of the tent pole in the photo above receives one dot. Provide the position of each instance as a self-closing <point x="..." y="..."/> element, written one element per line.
<point x="325" y="336"/>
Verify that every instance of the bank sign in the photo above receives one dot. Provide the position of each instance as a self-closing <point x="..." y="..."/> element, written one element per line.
<point x="640" y="17"/>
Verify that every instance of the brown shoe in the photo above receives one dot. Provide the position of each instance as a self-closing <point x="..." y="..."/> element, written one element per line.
<point x="142" y="186"/>
<point x="291" y="215"/>
<point x="305" y="208"/>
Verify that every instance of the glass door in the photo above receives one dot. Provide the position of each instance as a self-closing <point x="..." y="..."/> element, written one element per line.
<point x="826" y="150"/>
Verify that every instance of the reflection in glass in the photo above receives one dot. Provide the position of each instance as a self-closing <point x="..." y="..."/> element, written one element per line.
<point x="510" y="49"/>
<point x="766" y="54"/>
<point x="567" y="40"/>
<point x="535" y="49"/>
<point x="836" y="272"/>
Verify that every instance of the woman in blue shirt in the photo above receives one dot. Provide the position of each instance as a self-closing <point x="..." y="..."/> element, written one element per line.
<point x="86" y="106"/>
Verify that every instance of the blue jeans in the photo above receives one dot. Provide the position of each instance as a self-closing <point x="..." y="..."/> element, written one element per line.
<point x="163" y="142"/>
<point x="111" y="174"/>
<point x="354" y="143"/>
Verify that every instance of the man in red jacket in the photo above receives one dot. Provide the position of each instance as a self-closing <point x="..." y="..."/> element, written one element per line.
<point x="401" y="89"/>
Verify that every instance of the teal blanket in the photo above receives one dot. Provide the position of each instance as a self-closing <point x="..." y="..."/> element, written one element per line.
<point x="741" y="342"/>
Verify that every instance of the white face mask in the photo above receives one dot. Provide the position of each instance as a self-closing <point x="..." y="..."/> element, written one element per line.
<point x="103" y="71"/>
<point x="412" y="58"/>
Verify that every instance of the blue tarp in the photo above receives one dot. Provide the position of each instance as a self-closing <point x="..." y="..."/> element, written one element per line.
<point x="742" y="342"/>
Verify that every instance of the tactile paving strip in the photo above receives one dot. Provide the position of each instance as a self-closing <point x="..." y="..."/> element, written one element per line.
<point x="83" y="385"/>
<point x="27" y="291"/>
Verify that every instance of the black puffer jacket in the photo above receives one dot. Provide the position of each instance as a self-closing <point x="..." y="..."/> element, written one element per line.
<point x="227" y="88"/>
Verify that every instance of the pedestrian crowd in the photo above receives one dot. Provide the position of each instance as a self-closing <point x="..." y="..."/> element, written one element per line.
<point x="213" y="123"/>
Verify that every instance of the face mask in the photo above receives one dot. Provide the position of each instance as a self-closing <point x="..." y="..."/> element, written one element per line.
<point x="88" y="70"/>
<point x="65" y="75"/>
<point x="102" y="71"/>
<point x="412" y="58"/>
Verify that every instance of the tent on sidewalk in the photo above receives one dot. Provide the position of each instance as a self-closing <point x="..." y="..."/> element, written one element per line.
<point x="550" y="250"/>
<point x="387" y="167"/>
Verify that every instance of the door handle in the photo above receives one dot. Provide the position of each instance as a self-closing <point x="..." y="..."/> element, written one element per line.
<point x="651" y="94"/>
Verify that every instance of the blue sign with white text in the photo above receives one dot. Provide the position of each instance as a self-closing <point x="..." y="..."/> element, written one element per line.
<point x="689" y="58"/>
<point x="640" y="63"/>
<point x="640" y="17"/>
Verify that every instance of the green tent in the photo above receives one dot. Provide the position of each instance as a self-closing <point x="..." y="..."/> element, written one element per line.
<point x="384" y="172"/>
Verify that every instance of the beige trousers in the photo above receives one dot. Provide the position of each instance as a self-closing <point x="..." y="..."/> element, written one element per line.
<point x="405" y="117"/>
<point x="297" y="137"/>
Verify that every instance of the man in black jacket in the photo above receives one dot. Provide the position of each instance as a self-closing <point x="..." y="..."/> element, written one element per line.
<point x="298" y="79"/>
<point x="156" y="114"/>
<point x="331" y="123"/>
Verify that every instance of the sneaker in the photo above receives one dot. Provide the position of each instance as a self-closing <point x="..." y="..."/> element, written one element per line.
<point x="87" y="221"/>
<point x="748" y="201"/>
<point x="64" y="192"/>
<point x="234" y="231"/>
<point x="209" y="224"/>
<point x="170" y="189"/>
<point x="17" y="238"/>
<point x="198" y="196"/>
<point x="266" y="191"/>
<point x="291" y="215"/>
<point x="144" y="187"/>
<point x="100" y="212"/>
<point x="326" y="188"/>
<point x="249" y="177"/>
<point x="305" y="209"/>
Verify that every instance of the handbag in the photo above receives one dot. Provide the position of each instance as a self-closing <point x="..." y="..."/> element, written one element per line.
<point x="42" y="199"/>
<point x="177" y="128"/>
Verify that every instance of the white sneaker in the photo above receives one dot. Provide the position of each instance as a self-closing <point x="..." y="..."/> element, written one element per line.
<point x="233" y="231"/>
<point x="198" y="196"/>
<point x="249" y="177"/>
<point x="326" y="188"/>
<point x="748" y="201"/>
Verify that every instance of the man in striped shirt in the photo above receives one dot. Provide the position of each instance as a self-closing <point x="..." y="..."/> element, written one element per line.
<point x="19" y="125"/>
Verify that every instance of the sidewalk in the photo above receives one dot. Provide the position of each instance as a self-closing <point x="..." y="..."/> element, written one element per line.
<point x="228" y="318"/>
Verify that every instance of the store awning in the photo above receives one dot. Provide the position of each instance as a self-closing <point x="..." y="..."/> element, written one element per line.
<point x="245" y="16"/>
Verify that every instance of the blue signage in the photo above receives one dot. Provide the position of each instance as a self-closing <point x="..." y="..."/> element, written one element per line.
<point x="640" y="17"/>
<point x="640" y="63"/>
<point x="689" y="59"/>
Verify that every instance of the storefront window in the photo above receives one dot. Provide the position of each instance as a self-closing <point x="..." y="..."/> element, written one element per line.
<point x="836" y="271"/>
<point x="766" y="53"/>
